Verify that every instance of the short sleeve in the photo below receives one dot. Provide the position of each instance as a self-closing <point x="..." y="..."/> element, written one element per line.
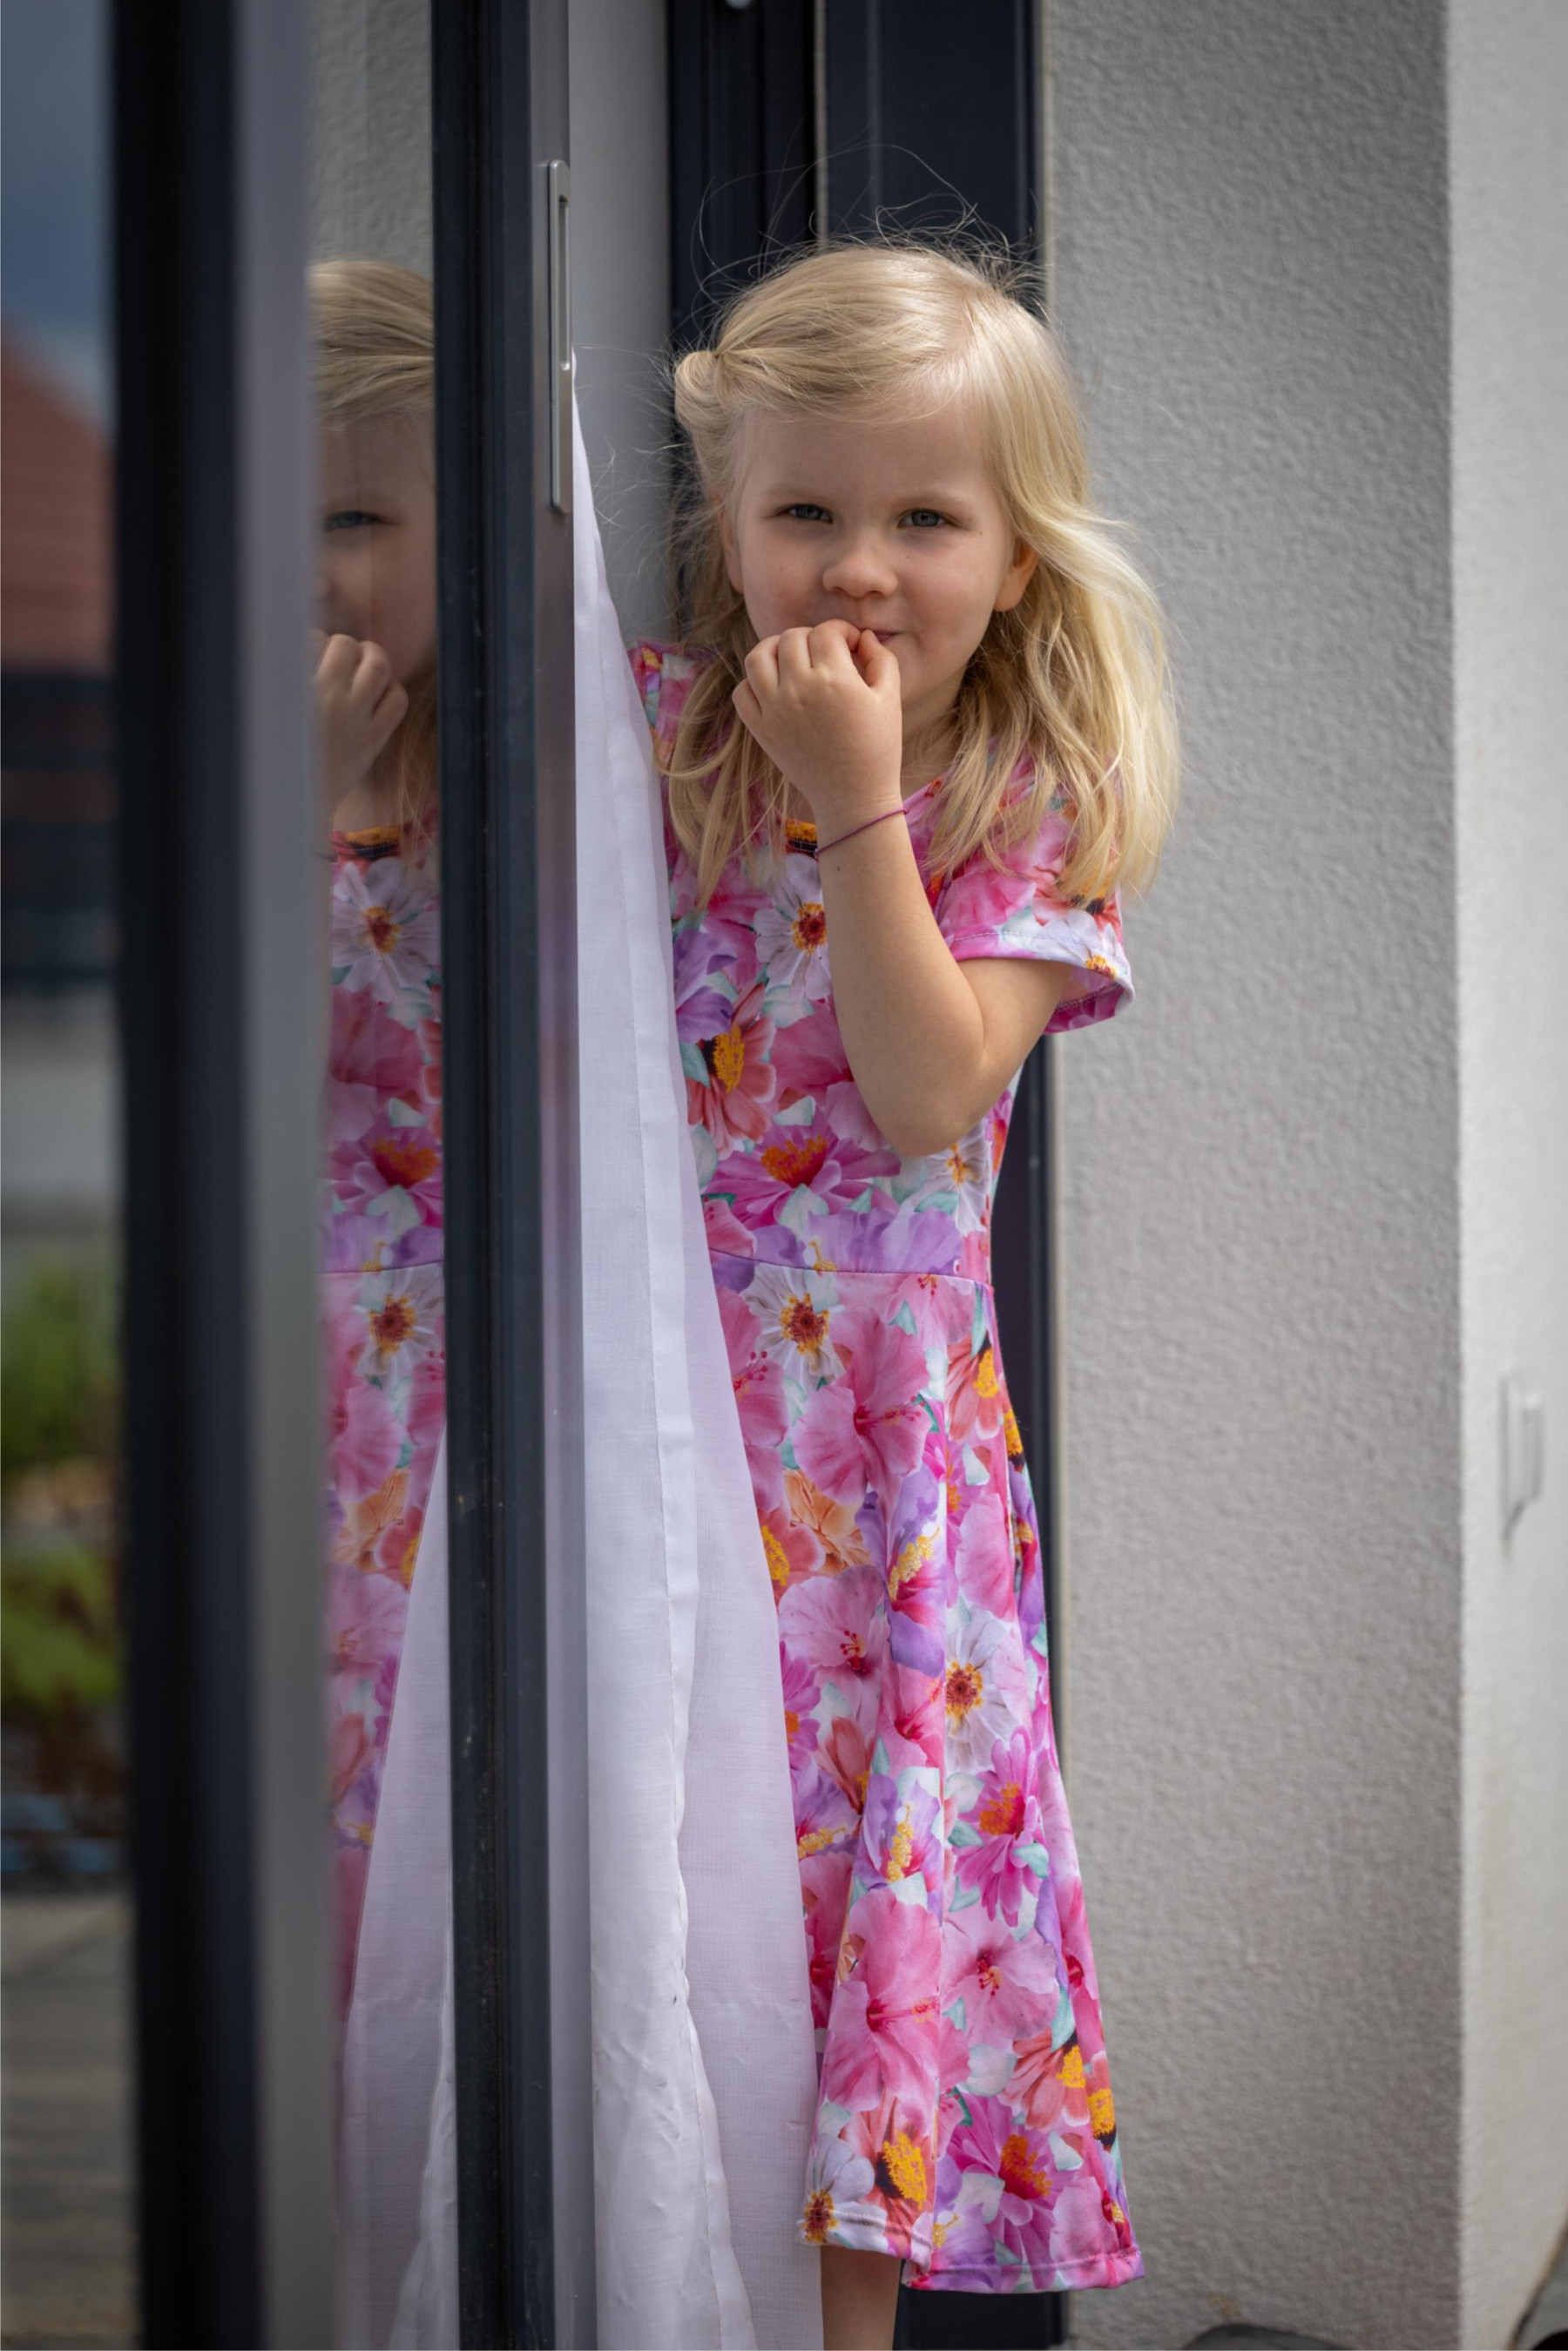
<point x="1016" y="911"/>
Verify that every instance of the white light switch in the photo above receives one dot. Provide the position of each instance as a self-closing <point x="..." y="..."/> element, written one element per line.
<point x="1523" y="1434"/>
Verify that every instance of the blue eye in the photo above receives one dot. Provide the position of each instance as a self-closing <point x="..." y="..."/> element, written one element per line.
<point x="924" y="516"/>
<point x="349" y="518"/>
<point x="804" y="507"/>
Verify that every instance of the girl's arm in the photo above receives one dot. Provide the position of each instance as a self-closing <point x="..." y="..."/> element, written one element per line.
<point x="931" y="1041"/>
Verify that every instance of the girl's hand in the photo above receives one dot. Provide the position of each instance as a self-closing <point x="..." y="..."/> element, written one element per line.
<point x="359" y="707"/>
<point x="824" y="705"/>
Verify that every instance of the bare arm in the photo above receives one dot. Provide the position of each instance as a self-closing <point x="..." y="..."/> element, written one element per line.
<point x="931" y="1041"/>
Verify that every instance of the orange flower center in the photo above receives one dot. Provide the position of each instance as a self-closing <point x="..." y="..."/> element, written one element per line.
<point x="383" y="929"/>
<point x="805" y="1325"/>
<point x="901" y="2169"/>
<point x="795" y="1163"/>
<point x="407" y="1164"/>
<point x="727" y="1058"/>
<point x="392" y="1323"/>
<point x="986" y="1372"/>
<point x="810" y="928"/>
<point x="1071" y="2074"/>
<point x="819" y="2216"/>
<point x="901" y="1851"/>
<point x="966" y="1687"/>
<point x="1003" y="1816"/>
<point x="1103" y="2113"/>
<point x="1010" y="1430"/>
<point x="1019" y="2175"/>
<point x="777" y="1558"/>
<point x="909" y="1564"/>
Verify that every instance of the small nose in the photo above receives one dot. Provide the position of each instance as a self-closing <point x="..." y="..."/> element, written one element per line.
<point x="859" y="567"/>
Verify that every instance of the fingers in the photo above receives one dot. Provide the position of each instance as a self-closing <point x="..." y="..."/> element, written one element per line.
<point x="877" y="662"/>
<point x="762" y="664"/>
<point x="372" y="676"/>
<point x="747" y="708"/>
<point x="338" y="658"/>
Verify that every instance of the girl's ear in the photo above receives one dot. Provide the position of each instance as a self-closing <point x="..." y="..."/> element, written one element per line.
<point x="726" y="538"/>
<point x="1017" y="577"/>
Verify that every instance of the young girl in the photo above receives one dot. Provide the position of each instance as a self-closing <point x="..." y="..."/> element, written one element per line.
<point x="914" y="741"/>
<point x="382" y="1304"/>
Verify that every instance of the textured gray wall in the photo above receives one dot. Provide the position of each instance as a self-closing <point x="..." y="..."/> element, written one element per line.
<point x="369" y="190"/>
<point x="1262" y="1201"/>
<point x="620" y="288"/>
<point x="1508" y="81"/>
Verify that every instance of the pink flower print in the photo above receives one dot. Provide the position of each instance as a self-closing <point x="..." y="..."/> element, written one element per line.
<point x="799" y="1159"/>
<point x="735" y="1097"/>
<point x="397" y="1553"/>
<point x="795" y="1308"/>
<point x="901" y="1836"/>
<point x="983" y="1558"/>
<point x="914" y="1578"/>
<point x="726" y="1233"/>
<point x="913" y="1729"/>
<point x="966" y="1172"/>
<point x="365" y="1619"/>
<point x="371" y="1050"/>
<point x="1050" y="2086"/>
<point x="833" y="1524"/>
<point x="835" y="1624"/>
<point x="349" y="1747"/>
<point x="846" y="1752"/>
<point x="792" y="1551"/>
<point x="1012" y="2170"/>
<point x="867" y="1427"/>
<point x="975" y="1398"/>
<point x="758" y="1394"/>
<point x="403" y="1319"/>
<point x="386" y="932"/>
<point x="881" y="2033"/>
<point x="388" y="1156"/>
<point x="1088" y="2222"/>
<point x="1064" y="1898"/>
<point x="792" y="932"/>
<point x="1002" y="1977"/>
<point x="824" y="1816"/>
<point x="825" y="1893"/>
<point x="894" y="2140"/>
<point x="809" y="1057"/>
<point x="1007" y="1816"/>
<point x="365" y="1439"/>
<point x="987" y="1689"/>
<point x="424" y="1415"/>
<point x="802" y="1692"/>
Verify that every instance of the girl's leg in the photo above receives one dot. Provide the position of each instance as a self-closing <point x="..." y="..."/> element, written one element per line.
<point x="860" y="2299"/>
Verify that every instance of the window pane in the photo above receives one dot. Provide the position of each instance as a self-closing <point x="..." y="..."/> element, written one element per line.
<point x="69" y="2268"/>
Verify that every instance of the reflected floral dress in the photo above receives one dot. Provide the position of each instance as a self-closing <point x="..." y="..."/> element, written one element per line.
<point x="965" y="2119"/>
<point x="382" y="1308"/>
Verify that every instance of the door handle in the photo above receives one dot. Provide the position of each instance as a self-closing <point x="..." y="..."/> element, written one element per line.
<point x="557" y="183"/>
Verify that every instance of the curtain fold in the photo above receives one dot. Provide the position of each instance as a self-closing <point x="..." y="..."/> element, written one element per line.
<point x="703" y="2071"/>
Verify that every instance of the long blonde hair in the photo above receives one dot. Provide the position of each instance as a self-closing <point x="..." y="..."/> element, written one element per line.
<point x="1074" y="676"/>
<point x="374" y="332"/>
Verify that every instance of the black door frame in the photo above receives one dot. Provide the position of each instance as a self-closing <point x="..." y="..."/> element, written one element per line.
<point x="222" y="913"/>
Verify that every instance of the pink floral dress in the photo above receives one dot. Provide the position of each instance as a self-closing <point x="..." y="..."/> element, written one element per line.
<point x="965" y="2119"/>
<point x="382" y="1306"/>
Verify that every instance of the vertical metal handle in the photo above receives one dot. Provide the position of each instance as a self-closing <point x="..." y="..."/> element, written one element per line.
<point x="557" y="181"/>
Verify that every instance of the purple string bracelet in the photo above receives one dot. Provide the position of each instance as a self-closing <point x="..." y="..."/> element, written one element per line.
<point x="823" y="846"/>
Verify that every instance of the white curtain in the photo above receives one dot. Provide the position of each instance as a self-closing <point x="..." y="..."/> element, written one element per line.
<point x="703" y="2066"/>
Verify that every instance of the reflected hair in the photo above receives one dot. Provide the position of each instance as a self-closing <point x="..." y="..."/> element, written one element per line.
<point x="1074" y="676"/>
<point x="373" y="341"/>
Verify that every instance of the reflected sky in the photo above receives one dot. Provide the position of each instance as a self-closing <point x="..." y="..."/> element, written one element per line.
<point x="55" y="258"/>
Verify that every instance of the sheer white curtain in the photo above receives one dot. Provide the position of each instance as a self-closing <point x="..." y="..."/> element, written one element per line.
<point x="703" y="2070"/>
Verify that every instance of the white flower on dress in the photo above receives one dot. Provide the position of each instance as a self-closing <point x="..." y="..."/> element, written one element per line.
<point x="792" y="934"/>
<point x="385" y="929"/>
<point x="403" y="1312"/>
<point x="794" y="1308"/>
<point x="986" y="1689"/>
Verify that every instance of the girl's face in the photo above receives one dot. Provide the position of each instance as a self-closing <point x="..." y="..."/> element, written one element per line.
<point x="892" y="526"/>
<point x="376" y="560"/>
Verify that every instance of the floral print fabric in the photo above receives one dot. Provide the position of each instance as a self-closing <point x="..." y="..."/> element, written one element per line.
<point x="383" y="1309"/>
<point x="965" y="2120"/>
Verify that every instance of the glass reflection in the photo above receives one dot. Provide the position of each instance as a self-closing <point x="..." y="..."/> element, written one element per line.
<point x="69" y="2268"/>
<point x="374" y="653"/>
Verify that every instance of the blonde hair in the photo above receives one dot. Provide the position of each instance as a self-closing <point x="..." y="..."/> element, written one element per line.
<point x="374" y="332"/>
<point x="1074" y="676"/>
